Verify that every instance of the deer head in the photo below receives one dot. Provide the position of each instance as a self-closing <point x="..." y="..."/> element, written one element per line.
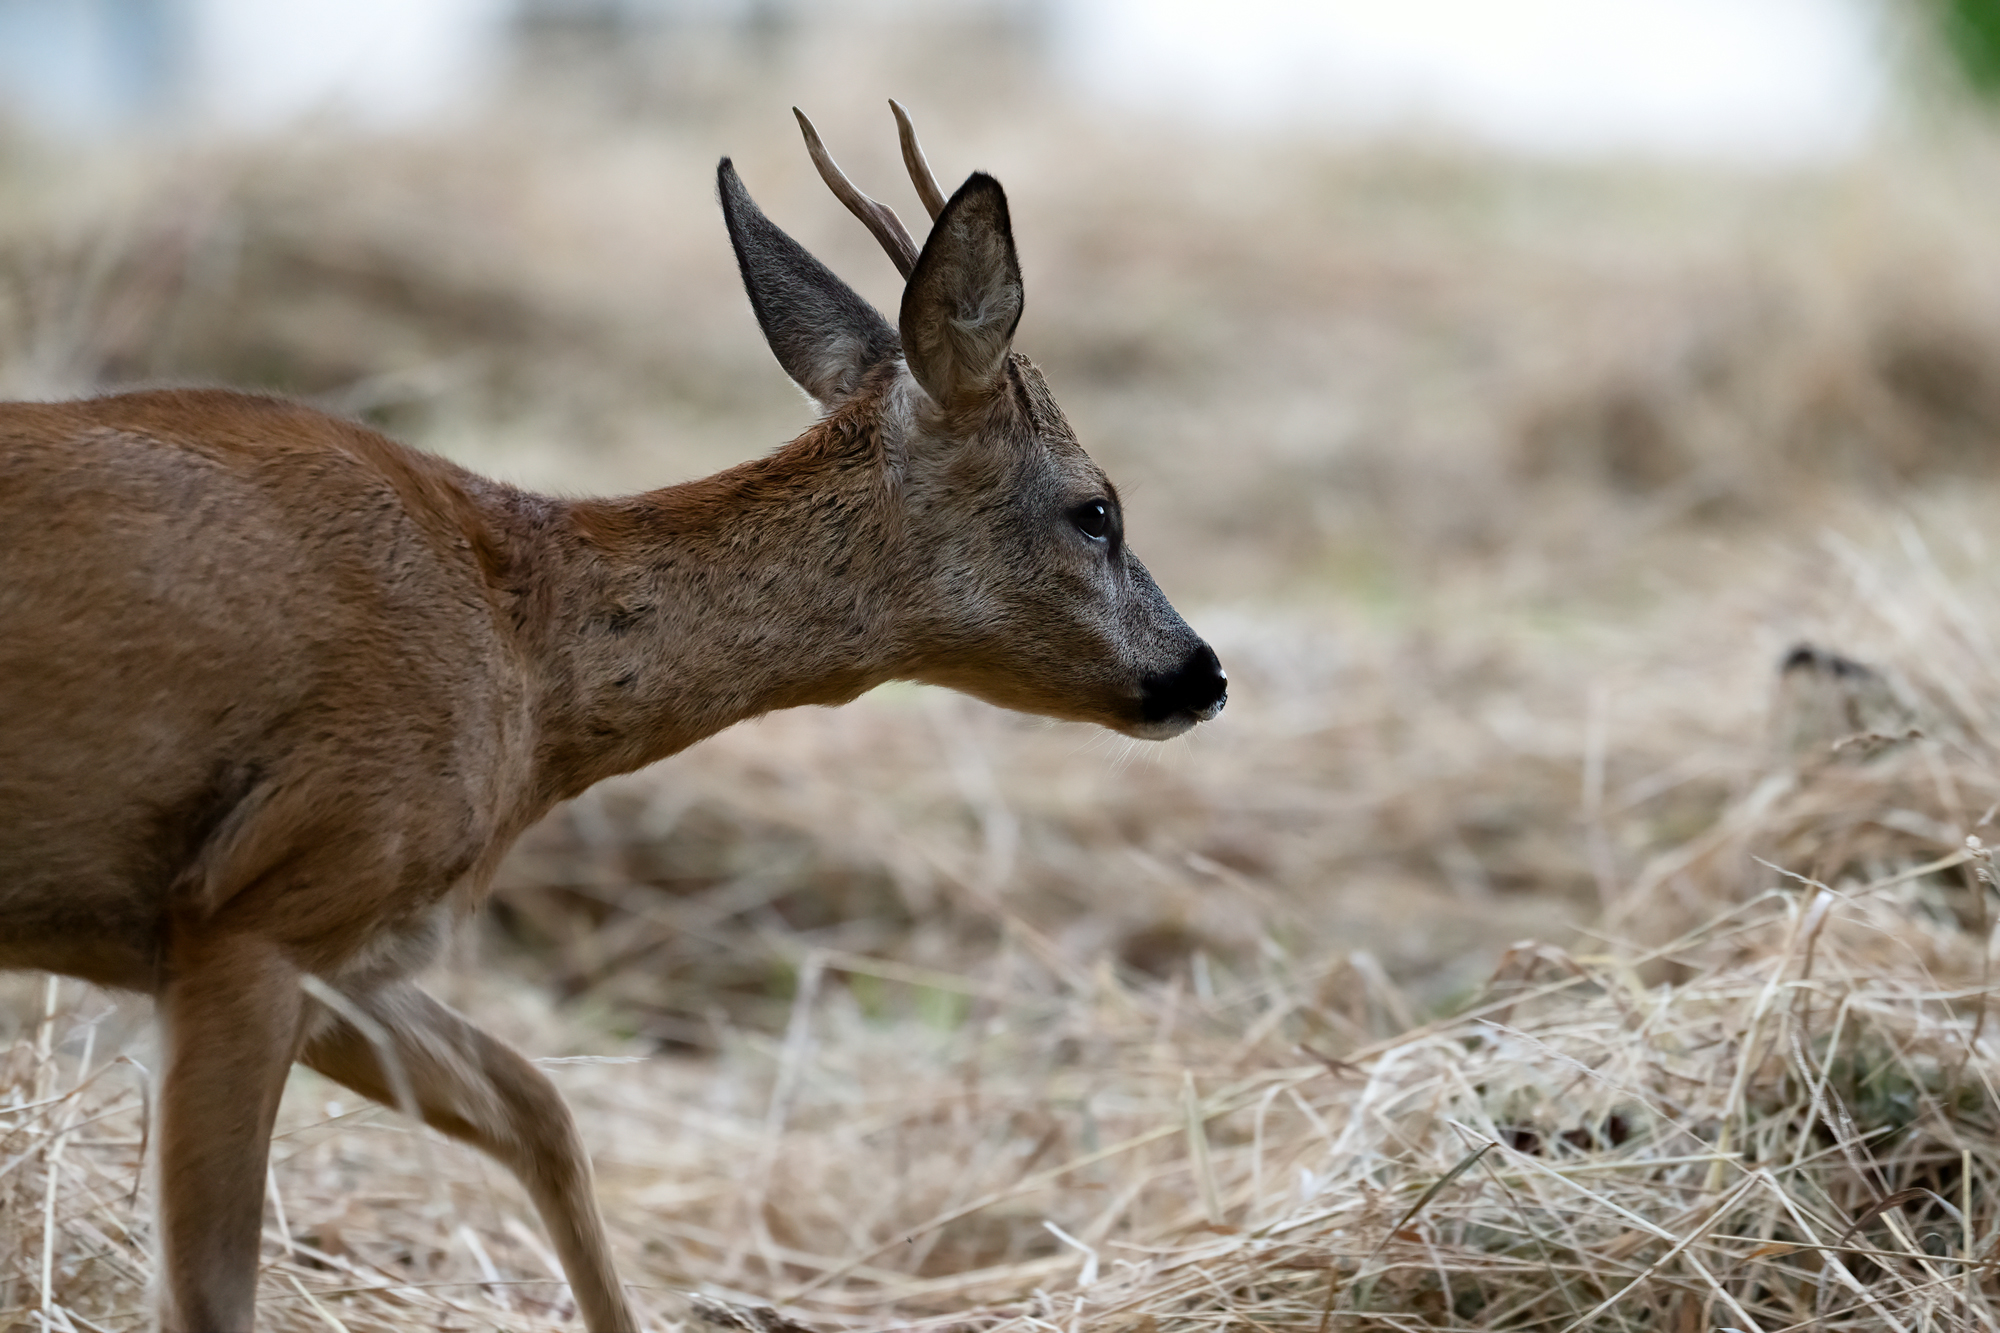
<point x="1015" y="582"/>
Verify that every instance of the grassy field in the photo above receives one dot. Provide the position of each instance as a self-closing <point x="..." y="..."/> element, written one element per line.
<point x="1578" y="919"/>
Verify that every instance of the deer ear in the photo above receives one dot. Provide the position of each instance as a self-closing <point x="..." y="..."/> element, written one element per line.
<point x="823" y="334"/>
<point x="963" y="299"/>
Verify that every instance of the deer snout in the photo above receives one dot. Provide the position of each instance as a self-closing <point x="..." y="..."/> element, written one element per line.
<point x="1195" y="691"/>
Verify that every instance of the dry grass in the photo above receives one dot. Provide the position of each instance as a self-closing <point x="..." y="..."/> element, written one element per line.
<point x="1521" y="951"/>
<point x="1797" y="1124"/>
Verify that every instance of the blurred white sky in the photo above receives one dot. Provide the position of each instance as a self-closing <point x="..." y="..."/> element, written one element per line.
<point x="84" y="66"/>
<point x="1740" y="78"/>
<point x="256" y="62"/>
<point x="1745" y="78"/>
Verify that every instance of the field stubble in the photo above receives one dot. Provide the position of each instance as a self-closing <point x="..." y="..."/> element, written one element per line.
<point x="1523" y="949"/>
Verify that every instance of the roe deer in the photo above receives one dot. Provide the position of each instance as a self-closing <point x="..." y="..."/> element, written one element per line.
<point x="276" y="693"/>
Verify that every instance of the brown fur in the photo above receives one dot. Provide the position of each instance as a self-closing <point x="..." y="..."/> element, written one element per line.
<point x="279" y="693"/>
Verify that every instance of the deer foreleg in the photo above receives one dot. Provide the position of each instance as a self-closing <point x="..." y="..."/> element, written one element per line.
<point x="475" y="1088"/>
<point x="230" y="1015"/>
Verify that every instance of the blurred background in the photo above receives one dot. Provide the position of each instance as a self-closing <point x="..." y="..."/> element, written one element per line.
<point x="1506" y="387"/>
<point x="1782" y="77"/>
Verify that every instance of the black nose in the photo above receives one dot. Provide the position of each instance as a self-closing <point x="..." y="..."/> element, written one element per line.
<point x="1197" y="686"/>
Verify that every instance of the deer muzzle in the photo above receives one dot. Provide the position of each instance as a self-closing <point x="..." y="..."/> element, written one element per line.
<point x="1195" y="691"/>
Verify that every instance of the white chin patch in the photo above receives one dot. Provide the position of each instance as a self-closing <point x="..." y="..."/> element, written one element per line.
<point x="1163" y="731"/>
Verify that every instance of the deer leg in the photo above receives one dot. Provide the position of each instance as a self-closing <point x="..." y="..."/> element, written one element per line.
<point x="475" y="1088"/>
<point x="230" y="1014"/>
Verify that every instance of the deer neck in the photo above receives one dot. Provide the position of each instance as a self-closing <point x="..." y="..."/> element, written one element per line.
<point x="658" y="619"/>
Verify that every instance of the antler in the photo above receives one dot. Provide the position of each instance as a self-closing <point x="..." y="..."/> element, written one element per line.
<point x="878" y="218"/>
<point x="913" y="158"/>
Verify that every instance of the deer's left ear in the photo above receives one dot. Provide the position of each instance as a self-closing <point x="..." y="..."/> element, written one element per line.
<point x="963" y="299"/>
<point x="822" y="332"/>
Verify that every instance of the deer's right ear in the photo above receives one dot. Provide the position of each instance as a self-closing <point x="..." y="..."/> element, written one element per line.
<point x="823" y="334"/>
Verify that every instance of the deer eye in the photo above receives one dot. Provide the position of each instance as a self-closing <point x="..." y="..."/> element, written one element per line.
<point x="1092" y="519"/>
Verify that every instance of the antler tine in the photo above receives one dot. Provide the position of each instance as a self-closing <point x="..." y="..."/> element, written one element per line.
<point x="913" y="158"/>
<point x="878" y="218"/>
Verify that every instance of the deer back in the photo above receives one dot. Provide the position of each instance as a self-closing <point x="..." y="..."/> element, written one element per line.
<point x="238" y="637"/>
